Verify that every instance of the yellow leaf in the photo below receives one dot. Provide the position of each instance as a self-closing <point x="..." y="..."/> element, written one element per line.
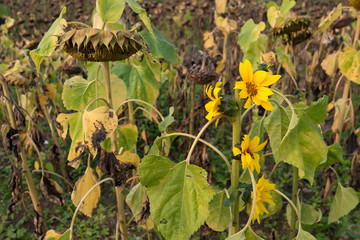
<point x="220" y="6"/>
<point x="209" y="44"/>
<point x="329" y="64"/>
<point x="226" y="25"/>
<point x="49" y="90"/>
<point x="98" y="125"/>
<point x="129" y="157"/>
<point x="53" y="235"/>
<point x="269" y="57"/>
<point x="82" y="186"/>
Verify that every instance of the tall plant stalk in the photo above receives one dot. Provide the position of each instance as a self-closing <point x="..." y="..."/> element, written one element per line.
<point x="236" y="167"/>
<point x="26" y="170"/>
<point x="118" y="190"/>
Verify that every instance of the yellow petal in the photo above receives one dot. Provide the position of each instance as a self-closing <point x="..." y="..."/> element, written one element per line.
<point x="240" y="85"/>
<point x="244" y="94"/>
<point x="236" y="151"/>
<point x="267" y="105"/>
<point x="270" y="79"/>
<point x="259" y="76"/>
<point x="263" y="93"/>
<point x="246" y="71"/>
<point x="256" y="100"/>
<point x="245" y="143"/>
<point x="254" y="142"/>
<point x="257" y="148"/>
<point x="217" y="89"/>
<point x="248" y="103"/>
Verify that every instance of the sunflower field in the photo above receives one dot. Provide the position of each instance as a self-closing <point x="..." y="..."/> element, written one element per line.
<point x="181" y="119"/>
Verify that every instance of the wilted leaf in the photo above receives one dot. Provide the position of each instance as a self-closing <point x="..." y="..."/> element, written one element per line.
<point x="98" y="125"/>
<point x="335" y="14"/>
<point x="179" y="195"/>
<point x="15" y="186"/>
<point x="219" y="218"/>
<point x="38" y="224"/>
<point x="349" y="64"/>
<point x="81" y="187"/>
<point x="138" y="201"/>
<point x="345" y="200"/>
<point x="226" y="25"/>
<point x="110" y="10"/>
<point x="269" y="57"/>
<point x="52" y="191"/>
<point x="329" y="64"/>
<point x="53" y="235"/>
<point x="220" y="6"/>
<point x="13" y="142"/>
<point x="119" y="167"/>
<point x="48" y="43"/>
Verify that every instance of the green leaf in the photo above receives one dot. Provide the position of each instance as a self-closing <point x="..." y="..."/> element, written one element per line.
<point x="298" y="142"/>
<point x="286" y="6"/>
<point x="127" y="135"/>
<point x="249" y="33"/>
<point x="317" y="110"/>
<point x="139" y="80"/>
<point x="110" y="10"/>
<point x="335" y="14"/>
<point x="48" y="43"/>
<point x="309" y="215"/>
<point x="345" y="200"/>
<point x="245" y="234"/>
<point x="255" y="50"/>
<point x="272" y="14"/>
<point x="349" y="64"/>
<point x="219" y="218"/>
<point x="142" y="14"/>
<point x="335" y="154"/>
<point x="159" y="46"/>
<point x="285" y="60"/>
<point x="167" y="121"/>
<point x="179" y="195"/>
<point x="303" y="235"/>
<point x="78" y="93"/>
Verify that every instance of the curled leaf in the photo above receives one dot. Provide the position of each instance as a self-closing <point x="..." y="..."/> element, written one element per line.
<point x="52" y="191"/>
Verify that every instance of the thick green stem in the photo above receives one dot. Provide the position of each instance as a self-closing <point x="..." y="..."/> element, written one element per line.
<point x="118" y="190"/>
<point x="120" y="206"/>
<point x="26" y="170"/>
<point x="236" y="167"/>
<point x="295" y="188"/>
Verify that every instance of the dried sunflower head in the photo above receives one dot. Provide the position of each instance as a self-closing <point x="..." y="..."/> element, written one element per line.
<point x="355" y="3"/>
<point x="294" y="29"/>
<point x="92" y="44"/>
<point x="292" y="25"/>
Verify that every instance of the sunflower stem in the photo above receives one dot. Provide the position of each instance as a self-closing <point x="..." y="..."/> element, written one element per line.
<point x="118" y="190"/>
<point x="191" y="131"/>
<point x="295" y="188"/>
<point x="236" y="167"/>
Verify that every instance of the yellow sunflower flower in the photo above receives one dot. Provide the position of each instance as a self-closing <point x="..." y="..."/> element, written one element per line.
<point x="263" y="190"/>
<point x="212" y="107"/>
<point x="253" y="85"/>
<point x="249" y="156"/>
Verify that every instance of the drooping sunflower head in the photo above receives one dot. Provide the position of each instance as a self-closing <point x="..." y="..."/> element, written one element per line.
<point x="212" y="107"/>
<point x="92" y="44"/>
<point x="263" y="195"/>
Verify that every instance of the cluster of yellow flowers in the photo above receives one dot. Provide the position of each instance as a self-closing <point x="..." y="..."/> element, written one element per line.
<point x="253" y="87"/>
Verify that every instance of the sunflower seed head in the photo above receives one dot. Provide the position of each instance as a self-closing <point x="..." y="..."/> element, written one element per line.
<point x="91" y="44"/>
